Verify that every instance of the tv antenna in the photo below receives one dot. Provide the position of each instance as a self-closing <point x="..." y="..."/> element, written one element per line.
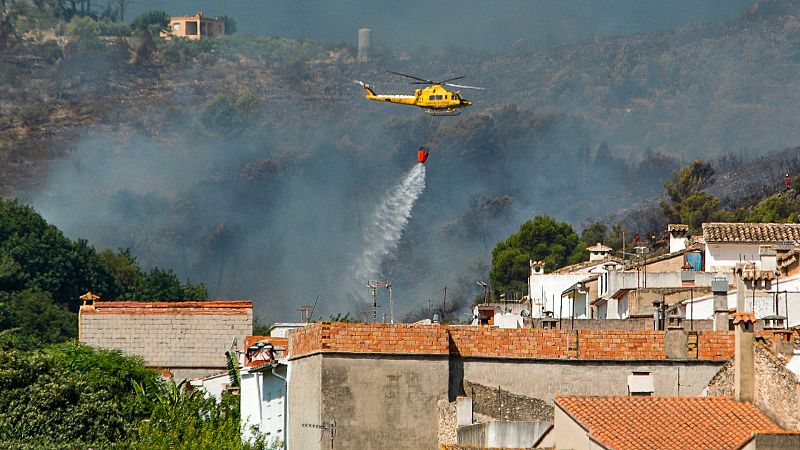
<point x="374" y="285"/>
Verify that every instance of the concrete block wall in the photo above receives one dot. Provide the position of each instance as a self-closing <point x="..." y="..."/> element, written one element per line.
<point x="166" y="334"/>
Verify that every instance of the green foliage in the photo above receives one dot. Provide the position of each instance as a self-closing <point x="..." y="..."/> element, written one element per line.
<point x="339" y="317"/>
<point x="114" y="28"/>
<point x="260" y="326"/>
<point x="30" y="319"/>
<point x="182" y="50"/>
<point x="70" y="395"/>
<point x="230" y="24"/>
<point x="164" y="285"/>
<point x="541" y="239"/>
<point x="42" y="274"/>
<point x="233" y="368"/>
<point x="227" y="113"/>
<point x="777" y="208"/>
<point x="83" y="28"/>
<point x="687" y="202"/>
<point x="182" y="417"/>
<point x="151" y="21"/>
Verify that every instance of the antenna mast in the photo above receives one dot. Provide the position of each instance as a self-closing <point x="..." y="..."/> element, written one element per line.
<point x="373" y="286"/>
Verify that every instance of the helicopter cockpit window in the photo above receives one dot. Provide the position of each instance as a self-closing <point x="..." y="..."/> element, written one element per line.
<point x="431" y="97"/>
<point x="439" y="97"/>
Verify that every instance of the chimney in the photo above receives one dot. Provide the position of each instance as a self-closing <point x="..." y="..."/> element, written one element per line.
<point x="677" y="237"/>
<point x="676" y="341"/>
<point x="537" y="267"/>
<point x="741" y="287"/>
<point x="769" y="258"/>
<point x="719" y="287"/>
<point x="782" y="343"/>
<point x="640" y="383"/>
<point x="598" y="252"/>
<point x="744" y="364"/>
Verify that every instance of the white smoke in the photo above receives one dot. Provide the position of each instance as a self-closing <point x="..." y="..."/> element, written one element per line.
<point x="385" y="228"/>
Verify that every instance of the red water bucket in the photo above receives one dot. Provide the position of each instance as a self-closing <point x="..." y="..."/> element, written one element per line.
<point x="422" y="155"/>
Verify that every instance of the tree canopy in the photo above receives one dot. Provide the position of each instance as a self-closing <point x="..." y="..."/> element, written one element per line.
<point x="42" y="274"/>
<point x="542" y="239"/>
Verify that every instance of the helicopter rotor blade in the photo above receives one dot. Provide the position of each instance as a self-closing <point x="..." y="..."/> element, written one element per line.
<point x="464" y="87"/>
<point x="412" y="77"/>
<point x="451" y="79"/>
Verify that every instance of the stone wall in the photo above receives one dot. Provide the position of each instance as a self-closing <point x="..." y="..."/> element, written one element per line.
<point x="190" y="337"/>
<point x="447" y="422"/>
<point x="503" y="405"/>
<point x="777" y="388"/>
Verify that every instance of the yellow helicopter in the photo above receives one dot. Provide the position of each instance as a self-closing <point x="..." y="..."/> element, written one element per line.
<point x="435" y="99"/>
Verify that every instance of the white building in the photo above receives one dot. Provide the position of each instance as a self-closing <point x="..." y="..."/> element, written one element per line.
<point x="727" y="244"/>
<point x="264" y="377"/>
<point x="545" y="290"/>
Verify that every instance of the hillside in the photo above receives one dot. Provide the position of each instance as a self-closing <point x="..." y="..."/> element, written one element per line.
<point x="253" y="163"/>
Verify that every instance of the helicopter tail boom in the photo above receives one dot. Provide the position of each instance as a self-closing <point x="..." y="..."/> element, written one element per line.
<point x="367" y="88"/>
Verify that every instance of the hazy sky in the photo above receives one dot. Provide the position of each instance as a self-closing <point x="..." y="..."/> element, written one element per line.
<point x="449" y="23"/>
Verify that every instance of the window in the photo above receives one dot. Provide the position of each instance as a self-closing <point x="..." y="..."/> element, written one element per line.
<point x="439" y="97"/>
<point x="191" y="28"/>
<point x="176" y="27"/>
<point x="431" y="97"/>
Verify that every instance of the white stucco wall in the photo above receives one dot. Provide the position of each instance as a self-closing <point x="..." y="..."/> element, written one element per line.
<point x="703" y="307"/>
<point x="262" y="404"/>
<point x="545" y="291"/>
<point x="212" y="386"/>
<point x="724" y="257"/>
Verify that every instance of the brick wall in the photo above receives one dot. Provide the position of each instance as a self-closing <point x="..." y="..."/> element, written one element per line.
<point x="369" y="338"/>
<point x="168" y="334"/>
<point x="465" y="341"/>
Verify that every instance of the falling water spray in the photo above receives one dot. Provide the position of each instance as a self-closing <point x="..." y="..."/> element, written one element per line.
<point x="386" y="227"/>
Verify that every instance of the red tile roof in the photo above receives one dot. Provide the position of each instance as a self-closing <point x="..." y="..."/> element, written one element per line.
<point x="775" y="233"/>
<point x="665" y="423"/>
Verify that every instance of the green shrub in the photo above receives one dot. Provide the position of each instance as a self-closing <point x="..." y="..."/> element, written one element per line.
<point x="111" y="28"/>
<point x="152" y="21"/>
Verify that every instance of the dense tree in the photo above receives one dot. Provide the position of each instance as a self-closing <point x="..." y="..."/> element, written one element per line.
<point x="688" y="203"/>
<point x="70" y="395"/>
<point x="543" y="239"/>
<point x="151" y="21"/>
<point x="776" y="208"/>
<point x="42" y="274"/>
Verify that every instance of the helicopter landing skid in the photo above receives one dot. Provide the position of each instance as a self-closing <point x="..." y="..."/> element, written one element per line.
<point x="447" y="113"/>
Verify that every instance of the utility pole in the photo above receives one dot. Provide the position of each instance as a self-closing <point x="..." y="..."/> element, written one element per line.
<point x="444" y="302"/>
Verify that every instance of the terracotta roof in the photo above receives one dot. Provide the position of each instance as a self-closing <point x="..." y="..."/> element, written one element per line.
<point x="666" y="422"/>
<point x="744" y="317"/>
<point x="223" y="307"/>
<point x="776" y="233"/>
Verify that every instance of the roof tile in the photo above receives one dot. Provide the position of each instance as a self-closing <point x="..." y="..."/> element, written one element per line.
<point x="777" y="233"/>
<point x="667" y="422"/>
